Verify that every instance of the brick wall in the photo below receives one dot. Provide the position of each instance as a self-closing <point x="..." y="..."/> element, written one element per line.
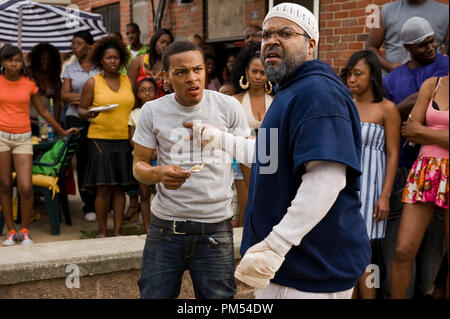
<point x="187" y="19"/>
<point x="255" y="11"/>
<point x="125" y="15"/>
<point x="342" y="22"/>
<point x="343" y="30"/>
<point x="183" y="20"/>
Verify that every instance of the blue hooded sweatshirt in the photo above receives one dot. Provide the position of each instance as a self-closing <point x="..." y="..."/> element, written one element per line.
<point x="312" y="118"/>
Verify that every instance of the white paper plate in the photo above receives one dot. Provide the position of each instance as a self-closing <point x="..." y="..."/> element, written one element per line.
<point x="103" y="108"/>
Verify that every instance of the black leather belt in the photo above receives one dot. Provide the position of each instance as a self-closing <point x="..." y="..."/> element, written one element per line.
<point x="183" y="227"/>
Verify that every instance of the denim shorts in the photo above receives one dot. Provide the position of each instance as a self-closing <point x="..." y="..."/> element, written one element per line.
<point x="209" y="259"/>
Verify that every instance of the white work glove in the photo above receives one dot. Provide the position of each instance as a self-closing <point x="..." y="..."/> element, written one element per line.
<point x="258" y="266"/>
<point x="207" y="134"/>
<point x="210" y="137"/>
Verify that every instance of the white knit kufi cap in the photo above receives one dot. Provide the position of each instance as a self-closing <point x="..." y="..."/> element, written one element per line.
<point x="415" y="30"/>
<point x="297" y="14"/>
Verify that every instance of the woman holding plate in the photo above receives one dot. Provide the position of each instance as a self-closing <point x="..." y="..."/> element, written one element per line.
<point x="109" y="166"/>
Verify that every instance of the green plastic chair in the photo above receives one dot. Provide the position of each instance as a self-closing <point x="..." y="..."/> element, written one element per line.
<point x="54" y="200"/>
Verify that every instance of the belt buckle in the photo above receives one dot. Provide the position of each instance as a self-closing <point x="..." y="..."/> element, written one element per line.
<point x="174" y="227"/>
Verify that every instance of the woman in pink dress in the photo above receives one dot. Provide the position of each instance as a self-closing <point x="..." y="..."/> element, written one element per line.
<point x="427" y="185"/>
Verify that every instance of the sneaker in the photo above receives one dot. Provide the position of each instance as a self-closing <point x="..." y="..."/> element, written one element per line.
<point x="90" y="217"/>
<point x="11" y="238"/>
<point x="25" y="237"/>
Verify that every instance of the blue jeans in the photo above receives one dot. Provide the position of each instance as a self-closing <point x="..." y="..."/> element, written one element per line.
<point x="209" y="259"/>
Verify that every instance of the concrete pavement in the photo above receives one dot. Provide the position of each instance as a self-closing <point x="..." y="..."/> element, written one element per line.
<point x="40" y="229"/>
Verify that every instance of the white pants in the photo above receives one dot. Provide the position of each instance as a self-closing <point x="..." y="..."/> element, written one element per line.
<point x="274" y="291"/>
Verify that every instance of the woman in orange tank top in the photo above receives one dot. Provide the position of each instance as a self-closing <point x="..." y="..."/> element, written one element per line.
<point x="427" y="185"/>
<point x="16" y="93"/>
<point x="149" y="65"/>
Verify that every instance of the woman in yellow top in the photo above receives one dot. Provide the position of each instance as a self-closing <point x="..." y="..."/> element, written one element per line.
<point x="109" y="164"/>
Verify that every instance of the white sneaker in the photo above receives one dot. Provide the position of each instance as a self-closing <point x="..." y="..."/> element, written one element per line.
<point x="90" y="217"/>
<point x="26" y="238"/>
<point x="10" y="239"/>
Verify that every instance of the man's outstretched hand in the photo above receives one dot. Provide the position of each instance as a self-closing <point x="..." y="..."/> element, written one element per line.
<point x="205" y="134"/>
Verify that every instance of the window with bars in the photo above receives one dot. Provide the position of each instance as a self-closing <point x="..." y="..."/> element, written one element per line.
<point x="225" y="20"/>
<point x="111" y="16"/>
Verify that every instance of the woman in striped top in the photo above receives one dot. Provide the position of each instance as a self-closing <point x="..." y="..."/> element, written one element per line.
<point x="380" y="137"/>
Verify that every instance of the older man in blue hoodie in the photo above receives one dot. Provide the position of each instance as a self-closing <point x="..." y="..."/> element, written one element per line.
<point x="304" y="236"/>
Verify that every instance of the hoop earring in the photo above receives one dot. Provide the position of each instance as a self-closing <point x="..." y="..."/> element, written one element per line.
<point x="242" y="85"/>
<point x="2" y="69"/>
<point x="268" y="87"/>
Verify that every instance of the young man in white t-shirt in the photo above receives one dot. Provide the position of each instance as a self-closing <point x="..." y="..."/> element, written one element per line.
<point x="191" y="223"/>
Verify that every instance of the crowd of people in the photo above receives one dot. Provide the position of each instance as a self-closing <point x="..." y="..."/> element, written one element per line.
<point x="359" y="174"/>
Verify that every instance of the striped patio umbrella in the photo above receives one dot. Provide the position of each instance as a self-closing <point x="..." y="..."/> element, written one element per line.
<point x="25" y="23"/>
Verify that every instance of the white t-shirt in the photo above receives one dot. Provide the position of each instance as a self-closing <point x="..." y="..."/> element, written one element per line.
<point x="78" y="78"/>
<point x="133" y="53"/>
<point x="133" y="117"/>
<point x="206" y="195"/>
<point x="396" y="13"/>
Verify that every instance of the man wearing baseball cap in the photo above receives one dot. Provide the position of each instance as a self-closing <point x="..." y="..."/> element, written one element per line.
<point x="385" y="32"/>
<point x="419" y="40"/>
<point x="304" y="236"/>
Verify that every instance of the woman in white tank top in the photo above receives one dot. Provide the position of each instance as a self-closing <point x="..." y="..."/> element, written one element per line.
<point x="253" y="92"/>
